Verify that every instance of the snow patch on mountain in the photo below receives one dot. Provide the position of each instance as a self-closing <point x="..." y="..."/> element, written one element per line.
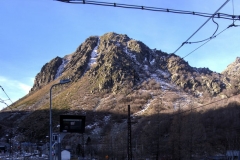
<point x="94" y="56"/>
<point x="61" y="67"/>
<point x="131" y="55"/>
<point x="145" y="107"/>
<point x="152" y="62"/>
<point x="157" y="76"/>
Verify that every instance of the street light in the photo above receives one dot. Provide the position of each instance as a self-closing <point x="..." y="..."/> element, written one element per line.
<point x="50" y="116"/>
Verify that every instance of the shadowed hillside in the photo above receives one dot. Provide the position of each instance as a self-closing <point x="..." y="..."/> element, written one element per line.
<point x="179" y="134"/>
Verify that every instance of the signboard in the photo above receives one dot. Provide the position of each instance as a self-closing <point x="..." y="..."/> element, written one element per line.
<point x="72" y="124"/>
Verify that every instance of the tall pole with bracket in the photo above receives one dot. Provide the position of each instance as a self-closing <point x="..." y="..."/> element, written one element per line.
<point x="50" y="116"/>
<point x="129" y="135"/>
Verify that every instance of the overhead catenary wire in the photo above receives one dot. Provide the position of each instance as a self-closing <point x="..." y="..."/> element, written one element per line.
<point x="6" y="94"/>
<point x="3" y="101"/>
<point x="204" y="43"/>
<point x="209" y="39"/>
<point x="201" y="26"/>
<point x="212" y="36"/>
<point x="156" y="9"/>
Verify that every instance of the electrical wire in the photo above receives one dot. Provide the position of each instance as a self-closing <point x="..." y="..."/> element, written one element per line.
<point x="212" y="37"/>
<point x="111" y="4"/>
<point x="201" y="26"/>
<point x="6" y="94"/>
<point x="206" y="38"/>
<point x="3" y="101"/>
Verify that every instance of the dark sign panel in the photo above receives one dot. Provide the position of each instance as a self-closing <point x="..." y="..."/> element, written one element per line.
<point x="72" y="123"/>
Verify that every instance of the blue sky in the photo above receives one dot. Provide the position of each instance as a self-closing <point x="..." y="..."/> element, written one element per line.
<point x="32" y="32"/>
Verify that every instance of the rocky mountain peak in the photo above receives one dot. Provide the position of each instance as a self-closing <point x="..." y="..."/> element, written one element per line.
<point x="233" y="69"/>
<point x="113" y="60"/>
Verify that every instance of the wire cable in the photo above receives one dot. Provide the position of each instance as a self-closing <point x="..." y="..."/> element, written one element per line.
<point x="232" y="25"/>
<point x="201" y="26"/>
<point x="6" y="94"/>
<point x="3" y="101"/>
<point x="206" y="38"/>
<point x="111" y="4"/>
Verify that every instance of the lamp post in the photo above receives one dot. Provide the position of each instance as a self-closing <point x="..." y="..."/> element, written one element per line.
<point x="50" y="116"/>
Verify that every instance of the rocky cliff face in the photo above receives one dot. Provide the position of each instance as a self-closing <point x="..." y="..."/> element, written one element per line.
<point x="78" y="63"/>
<point x="195" y="80"/>
<point x="232" y="74"/>
<point x="233" y="69"/>
<point x="114" y="59"/>
<point x="47" y="73"/>
<point x="71" y="66"/>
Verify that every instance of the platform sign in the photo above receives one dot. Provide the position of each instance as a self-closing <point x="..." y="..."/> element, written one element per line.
<point x="72" y="124"/>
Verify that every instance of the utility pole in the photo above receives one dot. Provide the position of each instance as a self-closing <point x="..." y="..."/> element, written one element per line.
<point x="50" y="116"/>
<point x="129" y="136"/>
<point x="158" y="135"/>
